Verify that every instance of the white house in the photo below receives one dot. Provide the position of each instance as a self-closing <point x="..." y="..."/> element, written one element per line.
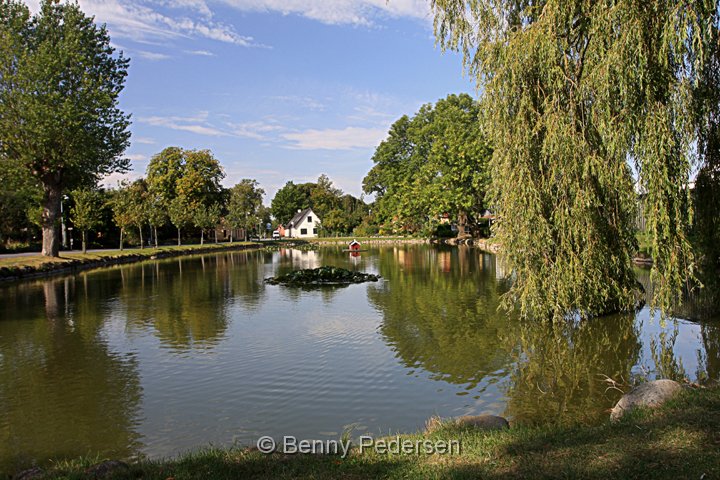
<point x="305" y="224"/>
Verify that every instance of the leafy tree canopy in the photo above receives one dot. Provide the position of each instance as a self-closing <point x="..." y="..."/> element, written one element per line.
<point x="575" y="94"/>
<point x="432" y="163"/>
<point x="59" y="87"/>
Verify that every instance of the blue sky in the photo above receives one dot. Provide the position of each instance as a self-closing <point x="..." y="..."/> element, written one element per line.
<point x="277" y="89"/>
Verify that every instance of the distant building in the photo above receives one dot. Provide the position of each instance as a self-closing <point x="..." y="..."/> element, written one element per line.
<point x="281" y="231"/>
<point x="305" y="224"/>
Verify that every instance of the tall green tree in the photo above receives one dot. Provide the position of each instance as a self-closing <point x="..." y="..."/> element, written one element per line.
<point x="181" y="215"/>
<point x="86" y="212"/>
<point x="200" y="179"/>
<point x="574" y="93"/>
<point x="138" y="194"/>
<point x="163" y="173"/>
<point x="395" y="168"/>
<point x="432" y="163"/>
<point x="123" y="204"/>
<point x="324" y="196"/>
<point x="206" y="217"/>
<point x="245" y="204"/>
<point x="454" y="178"/>
<point x="287" y="201"/>
<point x="156" y="211"/>
<point x="60" y="81"/>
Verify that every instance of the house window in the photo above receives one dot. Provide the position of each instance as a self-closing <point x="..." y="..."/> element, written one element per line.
<point x="314" y="231"/>
<point x="309" y="219"/>
<point x="303" y="231"/>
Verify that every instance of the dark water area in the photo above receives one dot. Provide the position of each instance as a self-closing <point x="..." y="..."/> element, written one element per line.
<point x="158" y="358"/>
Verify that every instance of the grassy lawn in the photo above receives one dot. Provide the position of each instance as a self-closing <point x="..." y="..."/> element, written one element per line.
<point x="679" y="440"/>
<point x="39" y="262"/>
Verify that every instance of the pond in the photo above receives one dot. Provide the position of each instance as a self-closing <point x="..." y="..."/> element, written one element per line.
<point x="158" y="358"/>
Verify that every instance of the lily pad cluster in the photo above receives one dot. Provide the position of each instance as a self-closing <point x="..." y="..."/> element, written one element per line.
<point x="322" y="276"/>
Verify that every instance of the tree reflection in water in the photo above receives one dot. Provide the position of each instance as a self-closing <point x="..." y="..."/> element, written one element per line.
<point x="63" y="389"/>
<point x="440" y="313"/>
<point x="186" y="300"/>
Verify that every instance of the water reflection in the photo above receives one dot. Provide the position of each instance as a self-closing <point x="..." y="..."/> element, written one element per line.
<point x="440" y="314"/>
<point x="440" y="311"/>
<point x="63" y="390"/>
<point x="561" y="370"/>
<point x="165" y="356"/>
<point x="186" y="301"/>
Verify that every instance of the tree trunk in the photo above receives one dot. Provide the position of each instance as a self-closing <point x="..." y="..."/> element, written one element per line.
<point x="156" y="240"/>
<point x="231" y="234"/>
<point x="202" y="236"/>
<point x="216" y="239"/>
<point x="122" y="230"/>
<point x="50" y="213"/>
<point x="84" y="242"/>
<point x="179" y="244"/>
<point x="141" y="237"/>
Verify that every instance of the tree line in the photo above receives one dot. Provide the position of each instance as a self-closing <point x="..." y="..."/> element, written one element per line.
<point x="181" y="195"/>
<point x="584" y="107"/>
<point x="432" y="165"/>
<point x="181" y="189"/>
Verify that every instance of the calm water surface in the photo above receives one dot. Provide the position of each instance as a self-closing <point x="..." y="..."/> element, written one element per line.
<point x="162" y="357"/>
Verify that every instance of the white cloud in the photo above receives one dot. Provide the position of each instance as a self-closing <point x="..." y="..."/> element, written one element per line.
<point x="336" y="139"/>
<point x="198" y="6"/>
<point x="202" y="53"/>
<point x="152" y="55"/>
<point x="355" y="12"/>
<point x="197" y="124"/>
<point x="144" y="140"/>
<point x="136" y="157"/>
<point x="140" y="21"/>
<point x="201" y="124"/>
<point x="254" y="130"/>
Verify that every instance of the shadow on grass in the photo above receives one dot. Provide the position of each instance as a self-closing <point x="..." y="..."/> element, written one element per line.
<point x="679" y="441"/>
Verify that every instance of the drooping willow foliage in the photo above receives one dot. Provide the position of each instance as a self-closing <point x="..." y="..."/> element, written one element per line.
<point x="592" y="107"/>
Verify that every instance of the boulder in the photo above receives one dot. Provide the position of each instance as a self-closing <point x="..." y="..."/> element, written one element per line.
<point x="482" y="422"/>
<point x="479" y="422"/>
<point x="650" y="394"/>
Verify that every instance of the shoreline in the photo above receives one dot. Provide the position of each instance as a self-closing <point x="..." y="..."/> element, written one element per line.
<point x="25" y="267"/>
<point x="674" y="440"/>
<point x="33" y="266"/>
<point x="69" y="263"/>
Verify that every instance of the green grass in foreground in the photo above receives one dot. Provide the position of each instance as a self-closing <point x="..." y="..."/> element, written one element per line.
<point x="38" y="261"/>
<point x="679" y="440"/>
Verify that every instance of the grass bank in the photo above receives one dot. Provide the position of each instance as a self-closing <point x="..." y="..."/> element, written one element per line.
<point x="29" y="266"/>
<point x="679" y="440"/>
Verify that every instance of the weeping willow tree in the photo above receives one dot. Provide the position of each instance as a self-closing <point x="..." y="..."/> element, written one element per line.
<point x="587" y="104"/>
